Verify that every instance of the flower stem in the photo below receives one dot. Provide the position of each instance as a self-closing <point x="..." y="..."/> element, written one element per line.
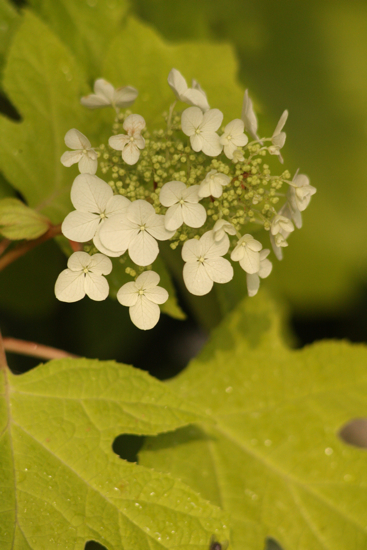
<point x="23" y="347"/>
<point x="24" y="247"/>
<point x="3" y="363"/>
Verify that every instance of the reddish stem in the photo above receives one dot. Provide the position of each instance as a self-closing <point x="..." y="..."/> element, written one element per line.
<point x="24" y="247"/>
<point x="35" y="350"/>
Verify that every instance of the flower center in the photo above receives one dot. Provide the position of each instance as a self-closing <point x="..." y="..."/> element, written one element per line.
<point x="103" y="215"/>
<point x="197" y="131"/>
<point x="132" y="138"/>
<point x="201" y="259"/>
<point x="142" y="228"/>
<point x="141" y="292"/>
<point x="229" y="137"/>
<point x="85" y="151"/>
<point x="85" y="270"/>
<point x="181" y="201"/>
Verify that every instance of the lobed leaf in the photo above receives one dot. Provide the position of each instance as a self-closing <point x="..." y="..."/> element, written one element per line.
<point x="273" y="459"/>
<point x="62" y="485"/>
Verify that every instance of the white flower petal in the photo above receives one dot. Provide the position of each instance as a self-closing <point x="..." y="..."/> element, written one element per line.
<point x="71" y="157"/>
<point x="98" y="244"/>
<point x="219" y="270"/>
<point x="196" y="98"/>
<point x="118" y="142"/>
<point x="134" y="124"/>
<point x="143" y="249"/>
<point x="93" y="101"/>
<point x="249" y="117"/>
<point x="90" y="194"/>
<point x="196" y="142"/>
<point x="156" y="227"/>
<point x="157" y="295"/>
<point x="177" y="83"/>
<point x="87" y="165"/>
<point x="130" y="153"/>
<point x="125" y="96"/>
<point x="173" y="218"/>
<point x="253" y="284"/>
<point x="69" y="286"/>
<point x="100" y="264"/>
<point x="212" y="120"/>
<point x="171" y="192"/>
<point x="148" y="279"/>
<point x="117" y="205"/>
<point x="280" y="125"/>
<point x="128" y="294"/>
<point x="96" y="287"/>
<point x="104" y="89"/>
<point x="191" y="119"/>
<point x="117" y="232"/>
<point x="76" y="140"/>
<point x="78" y="261"/>
<point x="194" y="215"/>
<point x="191" y="194"/>
<point x="191" y="250"/>
<point x="211" y="145"/>
<point x="80" y="226"/>
<point x="144" y="314"/>
<point x="196" y="279"/>
<point x="211" y="248"/>
<point x="250" y="262"/>
<point x="139" y="211"/>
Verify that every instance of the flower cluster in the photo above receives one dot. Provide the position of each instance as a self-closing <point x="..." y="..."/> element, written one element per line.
<point x="193" y="183"/>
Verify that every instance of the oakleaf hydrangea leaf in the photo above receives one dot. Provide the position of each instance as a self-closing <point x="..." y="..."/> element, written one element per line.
<point x="43" y="82"/>
<point x="61" y="484"/>
<point x="9" y="20"/>
<point x="18" y="221"/>
<point x="274" y="460"/>
<point x="86" y="28"/>
<point x="140" y="57"/>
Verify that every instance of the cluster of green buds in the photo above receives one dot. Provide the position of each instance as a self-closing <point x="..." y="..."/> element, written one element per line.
<point x="184" y="183"/>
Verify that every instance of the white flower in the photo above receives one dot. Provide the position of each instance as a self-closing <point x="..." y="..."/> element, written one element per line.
<point x="278" y="240"/>
<point x="84" y="276"/>
<point x="213" y="183"/>
<point x="233" y="137"/>
<point x="106" y="95"/>
<point x="131" y="143"/>
<point x="278" y="137"/>
<point x="142" y="298"/>
<point x="300" y="192"/>
<point x="202" y="129"/>
<point x="183" y="205"/>
<point x="83" y="153"/>
<point x="95" y="202"/>
<point x="281" y="224"/>
<point x="221" y="227"/>
<point x="247" y="253"/>
<point x="248" y="116"/>
<point x="193" y="96"/>
<point x="136" y="230"/>
<point x="253" y="280"/>
<point x="204" y="264"/>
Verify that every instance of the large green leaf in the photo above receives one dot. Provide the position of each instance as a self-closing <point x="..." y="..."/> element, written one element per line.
<point x="85" y="27"/>
<point x="44" y="83"/>
<point x="61" y="483"/>
<point x="273" y="460"/>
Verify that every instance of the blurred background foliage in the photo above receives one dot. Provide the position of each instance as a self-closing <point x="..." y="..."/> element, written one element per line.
<point x="308" y="57"/>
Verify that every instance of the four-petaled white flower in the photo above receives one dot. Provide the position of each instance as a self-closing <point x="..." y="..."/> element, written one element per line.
<point x="253" y="280"/>
<point x="84" y="276"/>
<point x="233" y="137"/>
<point x="105" y="95"/>
<point x="201" y="128"/>
<point x="213" y="183"/>
<point x="300" y="192"/>
<point x="221" y="227"/>
<point x="136" y="230"/>
<point x="193" y="96"/>
<point x="83" y="153"/>
<point x="278" y="137"/>
<point x="142" y="298"/>
<point x="130" y="144"/>
<point x="248" y="116"/>
<point x="183" y="205"/>
<point x="247" y="253"/>
<point x="95" y="202"/>
<point x="281" y="224"/>
<point x="204" y="264"/>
